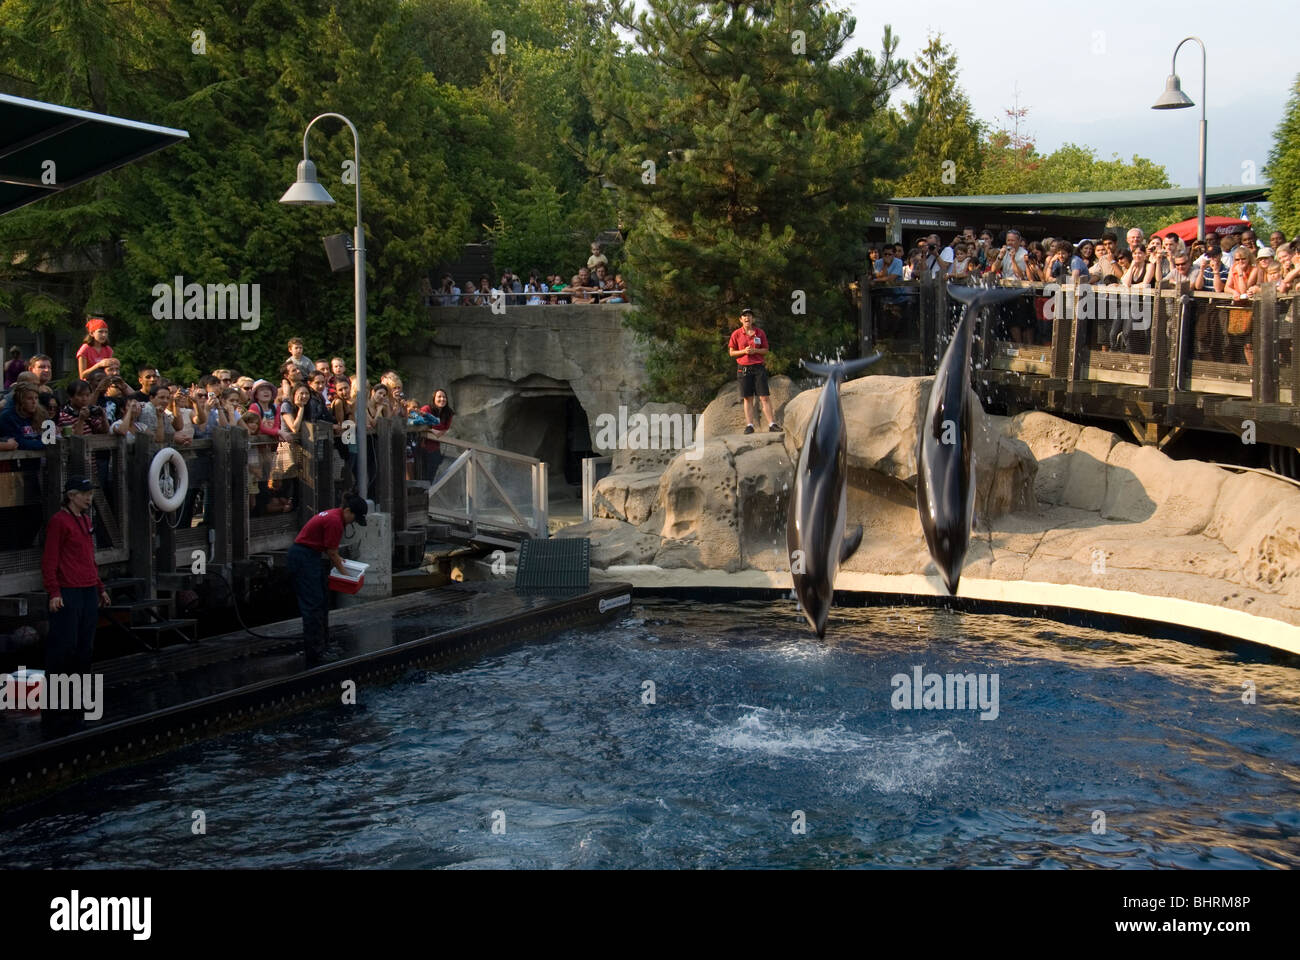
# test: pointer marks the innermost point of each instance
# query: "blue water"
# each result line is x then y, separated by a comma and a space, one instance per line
754, 719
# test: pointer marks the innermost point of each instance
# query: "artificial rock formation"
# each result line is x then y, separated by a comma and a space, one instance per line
1055, 502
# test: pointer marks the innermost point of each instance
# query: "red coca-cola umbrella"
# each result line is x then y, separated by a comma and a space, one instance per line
1220, 225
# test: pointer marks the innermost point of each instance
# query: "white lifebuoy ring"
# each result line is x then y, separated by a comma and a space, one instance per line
168, 492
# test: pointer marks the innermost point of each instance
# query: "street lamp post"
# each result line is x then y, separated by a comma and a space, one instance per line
1174, 99
307, 191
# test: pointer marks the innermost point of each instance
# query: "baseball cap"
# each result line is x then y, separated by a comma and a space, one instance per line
1264, 252
78, 484
357, 506
747, 312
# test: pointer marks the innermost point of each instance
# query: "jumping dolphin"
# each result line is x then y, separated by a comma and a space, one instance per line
945, 482
814, 531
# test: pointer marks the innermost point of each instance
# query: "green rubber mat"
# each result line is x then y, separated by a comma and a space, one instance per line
561, 563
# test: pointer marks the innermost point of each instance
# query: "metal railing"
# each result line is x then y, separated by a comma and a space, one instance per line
594, 469
485, 489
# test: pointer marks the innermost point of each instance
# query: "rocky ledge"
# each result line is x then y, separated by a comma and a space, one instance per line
1055, 502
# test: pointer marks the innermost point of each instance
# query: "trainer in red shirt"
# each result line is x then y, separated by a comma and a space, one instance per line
310, 572
749, 346
76, 594
68, 559
323, 532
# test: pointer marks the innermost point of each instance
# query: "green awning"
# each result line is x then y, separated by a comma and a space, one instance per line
1101, 199
81, 145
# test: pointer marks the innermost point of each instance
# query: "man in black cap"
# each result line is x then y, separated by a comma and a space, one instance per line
313, 553
76, 593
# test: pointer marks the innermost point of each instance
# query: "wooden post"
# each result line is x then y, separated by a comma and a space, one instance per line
925, 318
1265, 344
1158, 339
1061, 334
141, 537
1080, 345
52, 476
1294, 314
398, 452
1183, 347
942, 327
384, 466
79, 458
220, 490
317, 474
866, 319
238, 493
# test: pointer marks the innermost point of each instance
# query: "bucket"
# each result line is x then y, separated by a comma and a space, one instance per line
355, 579
20, 690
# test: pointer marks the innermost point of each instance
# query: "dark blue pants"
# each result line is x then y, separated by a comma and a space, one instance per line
429, 461
310, 573
68, 649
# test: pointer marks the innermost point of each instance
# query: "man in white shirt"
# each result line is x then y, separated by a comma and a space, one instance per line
1013, 258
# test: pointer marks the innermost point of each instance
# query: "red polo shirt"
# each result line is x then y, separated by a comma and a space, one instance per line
740, 340
323, 531
69, 556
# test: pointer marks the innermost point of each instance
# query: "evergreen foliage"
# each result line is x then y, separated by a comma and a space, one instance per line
748, 159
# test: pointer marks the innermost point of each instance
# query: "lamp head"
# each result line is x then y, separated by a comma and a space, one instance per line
306, 190
1173, 98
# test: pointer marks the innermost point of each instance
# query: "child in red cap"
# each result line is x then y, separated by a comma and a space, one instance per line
95, 353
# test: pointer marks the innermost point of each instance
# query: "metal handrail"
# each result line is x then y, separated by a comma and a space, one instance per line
471, 463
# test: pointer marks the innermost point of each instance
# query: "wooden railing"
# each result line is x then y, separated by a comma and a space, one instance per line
1185, 348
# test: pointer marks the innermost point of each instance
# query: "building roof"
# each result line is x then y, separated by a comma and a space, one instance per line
1101, 199
80, 144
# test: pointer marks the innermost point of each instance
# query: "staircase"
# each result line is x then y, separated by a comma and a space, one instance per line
147, 621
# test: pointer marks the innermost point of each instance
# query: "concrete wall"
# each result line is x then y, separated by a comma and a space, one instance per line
501, 369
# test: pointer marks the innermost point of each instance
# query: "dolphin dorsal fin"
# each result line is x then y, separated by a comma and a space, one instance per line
851, 543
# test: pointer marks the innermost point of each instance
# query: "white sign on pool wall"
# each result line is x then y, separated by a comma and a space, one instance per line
612, 603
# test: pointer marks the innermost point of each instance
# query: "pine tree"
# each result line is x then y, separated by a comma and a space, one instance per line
748, 160
1283, 168
946, 156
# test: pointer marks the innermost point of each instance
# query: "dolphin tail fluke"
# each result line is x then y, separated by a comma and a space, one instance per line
851, 543
983, 296
842, 370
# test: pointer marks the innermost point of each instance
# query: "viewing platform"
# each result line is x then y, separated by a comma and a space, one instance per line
1184, 366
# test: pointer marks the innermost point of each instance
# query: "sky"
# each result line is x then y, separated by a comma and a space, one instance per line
1091, 79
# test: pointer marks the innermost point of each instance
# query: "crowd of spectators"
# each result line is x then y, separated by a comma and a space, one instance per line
101, 401
1098, 261
1234, 263
594, 283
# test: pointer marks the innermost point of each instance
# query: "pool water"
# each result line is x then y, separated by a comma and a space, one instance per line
763, 747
